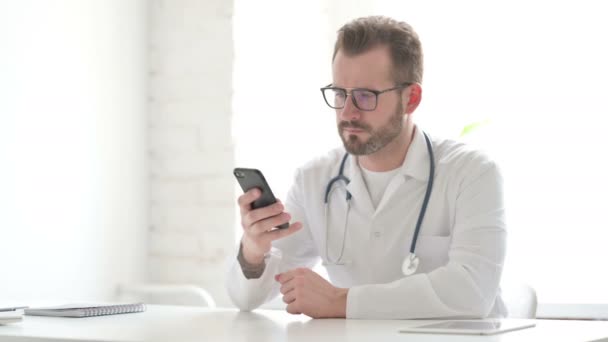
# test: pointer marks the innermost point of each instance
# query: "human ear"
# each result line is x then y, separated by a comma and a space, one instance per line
412, 99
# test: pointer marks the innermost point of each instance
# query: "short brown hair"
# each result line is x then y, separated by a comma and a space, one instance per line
363, 34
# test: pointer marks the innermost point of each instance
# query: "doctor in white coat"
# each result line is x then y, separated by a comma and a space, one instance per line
391, 180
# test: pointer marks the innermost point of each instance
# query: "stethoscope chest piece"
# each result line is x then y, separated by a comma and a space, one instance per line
410, 264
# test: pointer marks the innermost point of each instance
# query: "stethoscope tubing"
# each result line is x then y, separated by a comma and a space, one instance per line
427, 195
341, 177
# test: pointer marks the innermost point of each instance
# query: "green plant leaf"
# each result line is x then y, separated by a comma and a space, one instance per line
473, 127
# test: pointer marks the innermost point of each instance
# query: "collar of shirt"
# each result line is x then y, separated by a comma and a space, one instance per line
416, 163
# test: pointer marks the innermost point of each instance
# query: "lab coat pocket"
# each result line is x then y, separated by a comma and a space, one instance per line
432, 251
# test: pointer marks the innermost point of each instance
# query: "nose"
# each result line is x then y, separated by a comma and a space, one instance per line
350, 112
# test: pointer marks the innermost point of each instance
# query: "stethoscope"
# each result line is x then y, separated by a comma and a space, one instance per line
410, 264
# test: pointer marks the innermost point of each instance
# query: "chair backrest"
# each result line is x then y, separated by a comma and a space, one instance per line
520, 300
168, 294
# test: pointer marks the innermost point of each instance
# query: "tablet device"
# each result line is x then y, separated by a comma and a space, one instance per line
470, 327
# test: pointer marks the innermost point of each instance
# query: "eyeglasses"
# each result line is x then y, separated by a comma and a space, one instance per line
364, 99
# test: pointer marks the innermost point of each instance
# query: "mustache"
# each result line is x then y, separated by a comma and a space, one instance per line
353, 124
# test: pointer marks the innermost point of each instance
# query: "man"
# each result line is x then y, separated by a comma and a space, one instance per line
373, 208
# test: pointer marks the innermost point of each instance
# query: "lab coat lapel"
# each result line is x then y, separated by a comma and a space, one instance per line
415, 166
361, 199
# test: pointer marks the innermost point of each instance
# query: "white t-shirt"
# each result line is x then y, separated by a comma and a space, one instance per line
376, 183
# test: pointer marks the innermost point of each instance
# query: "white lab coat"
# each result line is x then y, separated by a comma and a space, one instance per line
461, 245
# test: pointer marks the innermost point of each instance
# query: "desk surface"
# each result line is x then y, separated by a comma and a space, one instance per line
175, 323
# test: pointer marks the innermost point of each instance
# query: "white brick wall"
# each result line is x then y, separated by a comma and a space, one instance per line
73, 185
191, 151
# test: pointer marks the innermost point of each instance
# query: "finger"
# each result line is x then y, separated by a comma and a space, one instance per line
292, 308
268, 224
255, 215
287, 287
281, 233
287, 276
289, 297
247, 198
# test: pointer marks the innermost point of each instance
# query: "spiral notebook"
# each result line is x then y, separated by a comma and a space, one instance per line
86, 310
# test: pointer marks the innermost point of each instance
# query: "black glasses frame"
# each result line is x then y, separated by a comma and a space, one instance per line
349, 92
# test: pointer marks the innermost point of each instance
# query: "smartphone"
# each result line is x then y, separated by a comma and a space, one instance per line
253, 178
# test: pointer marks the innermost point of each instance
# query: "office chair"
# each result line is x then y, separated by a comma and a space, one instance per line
520, 300
167, 294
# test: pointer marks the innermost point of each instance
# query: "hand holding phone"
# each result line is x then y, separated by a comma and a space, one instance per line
253, 178
260, 213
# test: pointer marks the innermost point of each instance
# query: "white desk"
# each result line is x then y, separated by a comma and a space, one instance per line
174, 323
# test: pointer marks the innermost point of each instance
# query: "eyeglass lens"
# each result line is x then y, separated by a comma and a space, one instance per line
363, 99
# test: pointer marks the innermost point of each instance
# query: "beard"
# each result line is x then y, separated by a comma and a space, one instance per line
378, 138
